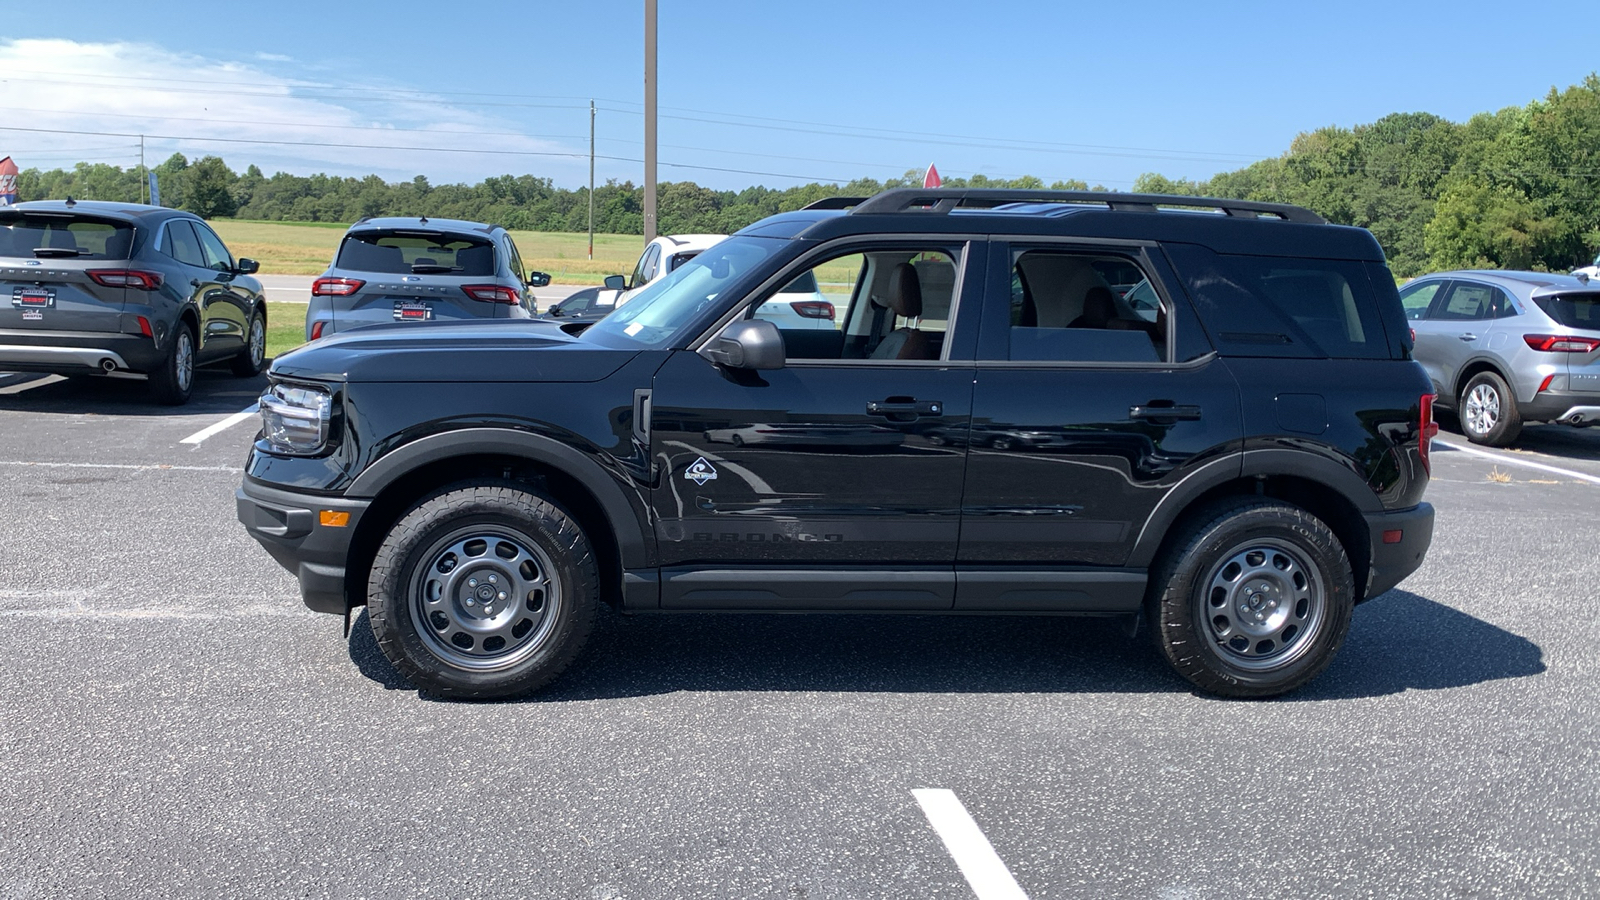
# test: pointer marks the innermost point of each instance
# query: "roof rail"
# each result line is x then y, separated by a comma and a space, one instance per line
941, 201
835, 203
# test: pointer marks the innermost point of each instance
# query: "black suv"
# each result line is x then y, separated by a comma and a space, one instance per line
107, 288
994, 427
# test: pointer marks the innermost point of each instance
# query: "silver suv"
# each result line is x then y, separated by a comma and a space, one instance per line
1504, 348
421, 270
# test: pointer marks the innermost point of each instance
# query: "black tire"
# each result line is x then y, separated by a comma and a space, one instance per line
1271, 625
1003, 443
1488, 411
253, 358
173, 382
430, 582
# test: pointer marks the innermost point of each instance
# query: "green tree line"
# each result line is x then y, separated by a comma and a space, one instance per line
1518, 188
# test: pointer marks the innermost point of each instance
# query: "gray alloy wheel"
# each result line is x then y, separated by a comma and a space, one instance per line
483, 598
1264, 605
253, 358
1488, 412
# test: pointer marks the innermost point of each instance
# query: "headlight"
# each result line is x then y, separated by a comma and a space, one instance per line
294, 419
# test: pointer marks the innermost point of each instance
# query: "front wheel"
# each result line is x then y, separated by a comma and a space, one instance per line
484, 590
1488, 411
1253, 600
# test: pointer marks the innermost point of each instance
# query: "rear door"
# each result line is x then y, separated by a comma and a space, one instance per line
1086, 412
46, 261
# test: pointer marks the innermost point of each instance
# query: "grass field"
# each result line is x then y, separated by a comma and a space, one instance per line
304, 249
286, 327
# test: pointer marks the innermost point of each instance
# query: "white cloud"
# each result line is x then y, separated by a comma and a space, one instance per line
62, 88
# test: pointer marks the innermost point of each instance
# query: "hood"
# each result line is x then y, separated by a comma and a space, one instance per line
483, 350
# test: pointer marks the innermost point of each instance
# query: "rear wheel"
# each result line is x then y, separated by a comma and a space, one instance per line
1488, 411
173, 382
482, 591
1253, 599
253, 358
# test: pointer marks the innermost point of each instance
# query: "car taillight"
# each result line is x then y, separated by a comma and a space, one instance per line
490, 293
137, 279
1562, 343
144, 327
336, 287
1427, 430
813, 309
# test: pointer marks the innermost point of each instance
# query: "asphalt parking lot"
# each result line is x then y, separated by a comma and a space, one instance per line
178, 725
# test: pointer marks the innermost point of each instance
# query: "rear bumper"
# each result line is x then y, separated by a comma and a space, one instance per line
76, 351
289, 526
1560, 406
1400, 542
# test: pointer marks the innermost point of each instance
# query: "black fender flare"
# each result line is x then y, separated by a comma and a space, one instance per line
614, 504
1342, 479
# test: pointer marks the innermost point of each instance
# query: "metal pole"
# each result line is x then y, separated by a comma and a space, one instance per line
144, 174
591, 179
649, 120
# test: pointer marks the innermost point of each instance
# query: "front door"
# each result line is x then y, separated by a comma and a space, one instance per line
838, 476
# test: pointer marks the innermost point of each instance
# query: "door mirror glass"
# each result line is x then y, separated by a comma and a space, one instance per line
747, 344
616, 283
247, 266
538, 279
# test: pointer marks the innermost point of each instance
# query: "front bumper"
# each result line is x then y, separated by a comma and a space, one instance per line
289, 525
1411, 531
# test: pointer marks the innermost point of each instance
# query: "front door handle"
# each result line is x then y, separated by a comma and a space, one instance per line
905, 407
1469, 336
1161, 411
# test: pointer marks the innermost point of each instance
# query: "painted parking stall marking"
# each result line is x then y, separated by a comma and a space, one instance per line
224, 425
16, 384
1510, 460
974, 855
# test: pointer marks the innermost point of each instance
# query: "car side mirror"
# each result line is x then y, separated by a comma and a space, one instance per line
747, 344
616, 283
538, 279
554, 311
246, 266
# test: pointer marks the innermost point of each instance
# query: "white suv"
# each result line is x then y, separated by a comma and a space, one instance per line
660, 257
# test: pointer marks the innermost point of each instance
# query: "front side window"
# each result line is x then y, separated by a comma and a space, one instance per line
1072, 306
216, 255
1416, 298
418, 253
887, 304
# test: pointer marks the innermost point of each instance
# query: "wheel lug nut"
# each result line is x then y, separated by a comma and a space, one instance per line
472, 582
502, 595
492, 579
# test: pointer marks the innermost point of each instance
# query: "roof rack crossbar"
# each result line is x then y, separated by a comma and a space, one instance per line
943, 200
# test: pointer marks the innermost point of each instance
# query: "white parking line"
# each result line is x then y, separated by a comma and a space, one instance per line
225, 424
156, 467
38, 381
1515, 461
974, 855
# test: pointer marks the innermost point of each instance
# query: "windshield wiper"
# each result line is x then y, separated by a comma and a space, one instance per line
56, 252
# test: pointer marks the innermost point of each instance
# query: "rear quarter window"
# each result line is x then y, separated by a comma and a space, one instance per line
1284, 307
405, 254
68, 237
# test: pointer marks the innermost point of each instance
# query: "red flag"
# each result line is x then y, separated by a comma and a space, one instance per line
931, 179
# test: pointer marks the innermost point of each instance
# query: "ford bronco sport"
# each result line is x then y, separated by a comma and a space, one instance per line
1201, 414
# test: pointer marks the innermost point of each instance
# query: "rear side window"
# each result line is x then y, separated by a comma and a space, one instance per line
179, 242
1284, 307
64, 237
1573, 310
417, 253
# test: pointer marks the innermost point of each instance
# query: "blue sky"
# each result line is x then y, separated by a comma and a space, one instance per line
757, 92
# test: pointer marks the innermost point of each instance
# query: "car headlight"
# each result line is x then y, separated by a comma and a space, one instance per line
294, 419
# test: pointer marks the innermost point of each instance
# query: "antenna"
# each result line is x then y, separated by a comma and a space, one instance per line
70, 201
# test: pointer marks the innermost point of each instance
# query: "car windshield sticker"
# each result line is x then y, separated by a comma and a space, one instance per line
700, 472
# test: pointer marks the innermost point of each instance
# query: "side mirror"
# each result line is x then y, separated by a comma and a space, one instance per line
554, 311
246, 266
747, 344
616, 283
538, 279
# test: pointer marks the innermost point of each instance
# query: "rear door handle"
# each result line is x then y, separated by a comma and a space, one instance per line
1469, 336
1157, 411
898, 406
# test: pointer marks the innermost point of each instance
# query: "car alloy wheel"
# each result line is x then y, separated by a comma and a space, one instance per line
1481, 411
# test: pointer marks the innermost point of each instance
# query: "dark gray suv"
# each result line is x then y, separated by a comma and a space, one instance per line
103, 288
418, 269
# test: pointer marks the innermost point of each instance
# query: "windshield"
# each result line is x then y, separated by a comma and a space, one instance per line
652, 317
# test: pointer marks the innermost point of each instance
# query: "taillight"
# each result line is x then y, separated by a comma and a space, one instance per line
813, 309
490, 293
1427, 430
137, 279
1545, 384
144, 327
336, 287
1562, 343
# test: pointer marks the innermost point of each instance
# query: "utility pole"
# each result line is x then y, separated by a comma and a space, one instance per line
649, 120
591, 179
144, 174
